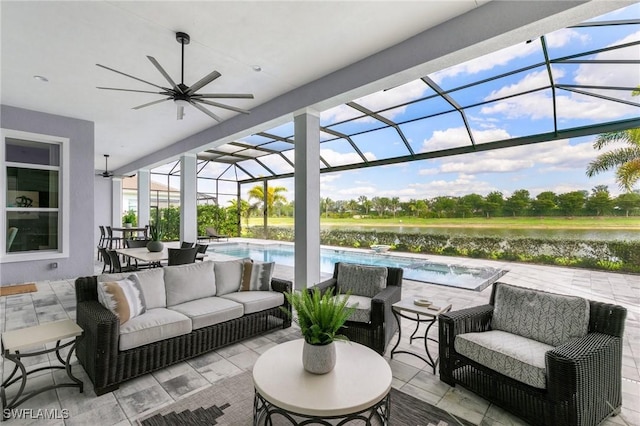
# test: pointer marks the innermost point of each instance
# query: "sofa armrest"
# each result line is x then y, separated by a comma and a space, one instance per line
98, 348
587, 371
450, 324
381, 304
281, 286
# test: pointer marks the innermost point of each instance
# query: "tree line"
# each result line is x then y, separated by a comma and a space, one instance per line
598, 202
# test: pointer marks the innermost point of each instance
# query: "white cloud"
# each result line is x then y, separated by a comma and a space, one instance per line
504, 56
572, 105
325, 178
457, 187
458, 136
428, 172
338, 159
357, 191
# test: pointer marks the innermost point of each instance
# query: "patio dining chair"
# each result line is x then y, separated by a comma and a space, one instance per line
201, 251
186, 244
182, 256
134, 243
116, 265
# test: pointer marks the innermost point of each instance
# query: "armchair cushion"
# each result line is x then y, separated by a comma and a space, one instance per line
549, 318
361, 280
515, 356
362, 305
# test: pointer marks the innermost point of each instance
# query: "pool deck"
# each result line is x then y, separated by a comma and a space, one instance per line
55, 300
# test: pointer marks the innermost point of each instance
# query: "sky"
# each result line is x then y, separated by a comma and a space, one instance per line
557, 166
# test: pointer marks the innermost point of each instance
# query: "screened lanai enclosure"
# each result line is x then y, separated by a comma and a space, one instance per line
576, 82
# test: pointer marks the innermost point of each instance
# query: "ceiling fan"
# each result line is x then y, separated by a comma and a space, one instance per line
106, 173
182, 94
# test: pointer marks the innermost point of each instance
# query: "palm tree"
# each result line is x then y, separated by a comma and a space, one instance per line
246, 209
273, 195
625, 159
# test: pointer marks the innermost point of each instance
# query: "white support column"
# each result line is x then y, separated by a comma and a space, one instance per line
116, 202
144, 194
307, 199
265, 206
188, 198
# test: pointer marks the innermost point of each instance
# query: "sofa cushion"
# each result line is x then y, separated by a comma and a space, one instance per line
361, 280
549, 318
153, 326
123, 297
256, 301
514, 356
151, 283
362, 305
209, 310
189, 282
228, 276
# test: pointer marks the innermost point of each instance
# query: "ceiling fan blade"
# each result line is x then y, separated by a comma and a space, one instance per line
164, 73
224, 95
151, 103
203, 82
180, 112
135, 78
131, 90
206, 111
216, 104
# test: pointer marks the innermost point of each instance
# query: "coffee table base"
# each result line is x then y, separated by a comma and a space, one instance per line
265, 413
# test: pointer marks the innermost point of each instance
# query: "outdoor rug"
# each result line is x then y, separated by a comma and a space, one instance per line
18, 289
230, 403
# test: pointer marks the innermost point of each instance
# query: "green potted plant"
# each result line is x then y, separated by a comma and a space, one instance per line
320, 317
129, 219
155, 234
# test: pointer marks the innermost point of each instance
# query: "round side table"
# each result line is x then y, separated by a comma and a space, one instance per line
357, 388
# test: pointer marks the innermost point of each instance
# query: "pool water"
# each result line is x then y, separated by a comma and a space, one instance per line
471, 278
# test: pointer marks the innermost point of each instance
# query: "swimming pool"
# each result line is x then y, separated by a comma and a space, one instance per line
471, 278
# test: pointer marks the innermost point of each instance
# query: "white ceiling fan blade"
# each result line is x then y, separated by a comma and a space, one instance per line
203, 82
216, 104
151, 103
164, 73
130, 76
225, 95
206, 111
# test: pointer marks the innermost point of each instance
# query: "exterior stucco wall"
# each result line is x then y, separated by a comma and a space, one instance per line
81, 168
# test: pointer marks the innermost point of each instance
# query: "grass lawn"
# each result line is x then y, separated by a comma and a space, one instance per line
607, 222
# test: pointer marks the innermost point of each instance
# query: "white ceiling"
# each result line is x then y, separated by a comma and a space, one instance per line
294, 42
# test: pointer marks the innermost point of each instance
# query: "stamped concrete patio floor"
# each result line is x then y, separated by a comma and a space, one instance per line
55, 300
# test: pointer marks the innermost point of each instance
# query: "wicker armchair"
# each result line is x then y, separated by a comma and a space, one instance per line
583, 376
378, 331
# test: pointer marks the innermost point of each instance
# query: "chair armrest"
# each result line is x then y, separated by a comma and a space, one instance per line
381, 304
325, 285
586, 370
450, 324
98, 348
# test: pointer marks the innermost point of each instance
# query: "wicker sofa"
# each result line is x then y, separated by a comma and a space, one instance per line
373, 290
547, 358
190, 310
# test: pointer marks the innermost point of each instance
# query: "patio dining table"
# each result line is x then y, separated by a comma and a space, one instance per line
141, 253
130, 232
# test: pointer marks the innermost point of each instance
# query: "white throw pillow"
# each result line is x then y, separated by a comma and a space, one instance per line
124, 297
189, 282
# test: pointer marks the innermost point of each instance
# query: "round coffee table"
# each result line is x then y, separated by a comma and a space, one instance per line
357, 388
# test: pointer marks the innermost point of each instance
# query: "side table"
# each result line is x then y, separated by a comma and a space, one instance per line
13, 342
420, 314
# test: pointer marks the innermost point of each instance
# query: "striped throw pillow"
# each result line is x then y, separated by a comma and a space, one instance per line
124, 297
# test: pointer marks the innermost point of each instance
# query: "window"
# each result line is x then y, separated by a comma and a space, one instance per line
33, 183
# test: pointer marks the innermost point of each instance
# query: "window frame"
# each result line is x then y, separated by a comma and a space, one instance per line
63, 208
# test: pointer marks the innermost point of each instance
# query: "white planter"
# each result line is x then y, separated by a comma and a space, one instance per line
318, 359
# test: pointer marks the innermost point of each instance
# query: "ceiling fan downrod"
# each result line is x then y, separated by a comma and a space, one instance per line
182, 38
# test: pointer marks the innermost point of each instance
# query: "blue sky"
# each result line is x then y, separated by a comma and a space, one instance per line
557, 166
